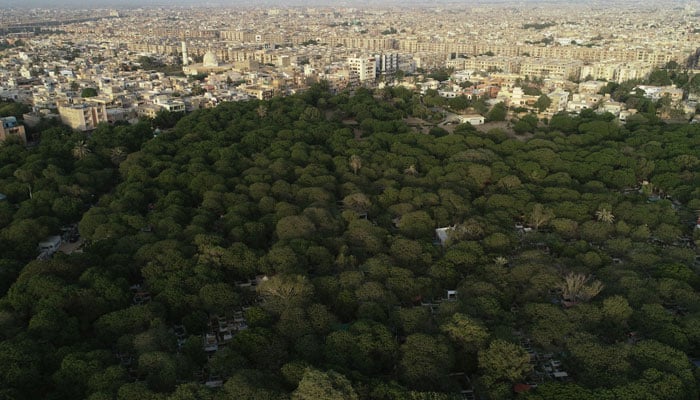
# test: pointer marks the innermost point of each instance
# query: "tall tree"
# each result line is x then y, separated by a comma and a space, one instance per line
543, 102
576, 287
505, 362
81, 150
425, 362
318, 385
605, 215
539, 216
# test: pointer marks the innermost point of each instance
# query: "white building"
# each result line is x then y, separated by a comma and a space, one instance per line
364, 67
658, 92
474, 119
462, 76
169, 104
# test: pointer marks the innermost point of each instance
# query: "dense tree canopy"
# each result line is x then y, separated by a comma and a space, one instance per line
287, 249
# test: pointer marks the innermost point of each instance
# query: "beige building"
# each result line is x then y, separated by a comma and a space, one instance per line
246, 65
547, 68
591, 87
261, 93
83, 117
516, 97
489, 63
559, 99
616, 71
10, 128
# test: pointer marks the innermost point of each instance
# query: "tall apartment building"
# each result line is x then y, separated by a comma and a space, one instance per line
237, 36
616, 71
497, 63
547, 68
364, 67
185, 57
83, 117
354, 42
386, 63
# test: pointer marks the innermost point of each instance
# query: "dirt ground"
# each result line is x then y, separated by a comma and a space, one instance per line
424, 127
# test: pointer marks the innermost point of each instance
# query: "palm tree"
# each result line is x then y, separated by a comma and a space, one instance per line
539, 216
576, 288
470, 229
411, 170
355, 163
117, 155
605, 215
500, 261
27, 177
81, 150
261, 110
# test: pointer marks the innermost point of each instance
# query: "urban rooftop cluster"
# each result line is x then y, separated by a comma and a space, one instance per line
93, 66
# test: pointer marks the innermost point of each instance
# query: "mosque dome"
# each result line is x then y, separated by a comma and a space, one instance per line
210, 60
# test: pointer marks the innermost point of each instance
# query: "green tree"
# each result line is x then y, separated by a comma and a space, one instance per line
616, 312
425, 361
284, 291
497, 113
357, 202
543, 102
160, 370
318, 385
465, 332
294, 226
458, 103
659, 77
88, 92
503, 361
416, 224
598, 364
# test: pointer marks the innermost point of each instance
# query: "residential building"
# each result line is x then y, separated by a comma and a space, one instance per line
169, 104
547, 68
83, 117
591, 87
582, 101
386, 63
11, 128
474, 119
559, 99
658, 92
258, 92
364, 67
